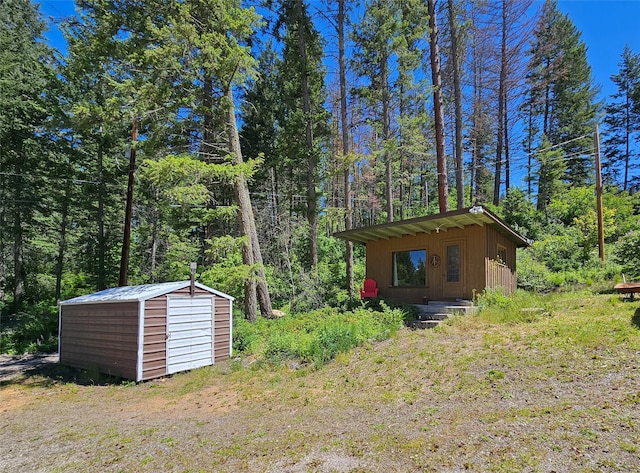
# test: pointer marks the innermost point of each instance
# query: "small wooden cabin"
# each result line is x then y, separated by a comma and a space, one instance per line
444, 256
148, 331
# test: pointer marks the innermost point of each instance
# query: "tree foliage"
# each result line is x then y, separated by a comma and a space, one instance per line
319, 145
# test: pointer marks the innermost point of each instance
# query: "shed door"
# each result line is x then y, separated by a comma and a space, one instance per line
189, 333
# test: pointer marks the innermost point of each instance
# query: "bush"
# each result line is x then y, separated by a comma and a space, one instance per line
627, 254
314, 337
34, 330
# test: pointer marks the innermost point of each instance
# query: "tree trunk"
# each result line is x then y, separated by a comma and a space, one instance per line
128, 215
101, 276
507, 159
386, 135
251, 254
155, 216
457, 98
348, 220
443, 188
18, 237
502, 96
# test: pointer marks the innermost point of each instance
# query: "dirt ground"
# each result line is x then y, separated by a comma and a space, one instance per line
468, 397
16, 366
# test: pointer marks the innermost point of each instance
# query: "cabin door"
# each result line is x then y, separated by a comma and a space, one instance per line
453, 266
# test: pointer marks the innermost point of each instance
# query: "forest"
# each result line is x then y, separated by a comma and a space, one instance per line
242, 135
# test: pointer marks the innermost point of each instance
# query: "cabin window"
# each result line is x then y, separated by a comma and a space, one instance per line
453, 263
409, 268
502, 254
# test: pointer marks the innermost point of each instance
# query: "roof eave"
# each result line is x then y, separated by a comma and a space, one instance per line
440, 222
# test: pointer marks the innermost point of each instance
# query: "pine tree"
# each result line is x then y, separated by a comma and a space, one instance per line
372, 57
302, 94
436, 77
562, 92
27, 85
623, 120
551, 170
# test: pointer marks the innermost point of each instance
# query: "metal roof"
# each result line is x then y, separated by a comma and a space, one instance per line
441, 222
138, 293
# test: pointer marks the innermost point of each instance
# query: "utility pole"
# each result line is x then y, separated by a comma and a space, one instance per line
596, 146
126, 240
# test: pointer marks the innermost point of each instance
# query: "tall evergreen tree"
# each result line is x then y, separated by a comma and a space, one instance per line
550, 172
27, 83
305, 127
562, 92
623, 120
373, 38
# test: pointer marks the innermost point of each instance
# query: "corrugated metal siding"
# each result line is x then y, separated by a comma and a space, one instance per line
190, 325
100, 336
155, 333
154, 359
222, 327
222, 332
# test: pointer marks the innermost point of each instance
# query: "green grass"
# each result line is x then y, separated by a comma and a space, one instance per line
315, 337
550, 391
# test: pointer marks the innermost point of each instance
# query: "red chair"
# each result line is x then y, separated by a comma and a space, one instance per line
370, 289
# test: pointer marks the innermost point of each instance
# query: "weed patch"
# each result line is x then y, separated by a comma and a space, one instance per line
315, 337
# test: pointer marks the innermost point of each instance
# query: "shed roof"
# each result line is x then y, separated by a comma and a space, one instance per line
138, 293
477, 215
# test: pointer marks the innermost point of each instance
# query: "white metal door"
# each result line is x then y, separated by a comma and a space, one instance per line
189, 333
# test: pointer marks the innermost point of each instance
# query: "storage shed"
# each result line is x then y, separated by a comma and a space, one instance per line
148, 331
445, 256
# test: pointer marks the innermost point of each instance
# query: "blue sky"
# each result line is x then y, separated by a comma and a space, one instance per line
606, 26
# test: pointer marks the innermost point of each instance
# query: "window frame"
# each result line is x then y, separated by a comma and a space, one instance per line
394, 273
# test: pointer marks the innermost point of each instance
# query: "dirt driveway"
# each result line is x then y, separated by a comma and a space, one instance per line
14, 366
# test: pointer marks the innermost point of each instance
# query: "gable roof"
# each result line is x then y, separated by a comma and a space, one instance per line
477, 215
139, 293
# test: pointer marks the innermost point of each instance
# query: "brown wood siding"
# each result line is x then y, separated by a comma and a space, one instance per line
501, 273
473, 240
100, 336
222, 331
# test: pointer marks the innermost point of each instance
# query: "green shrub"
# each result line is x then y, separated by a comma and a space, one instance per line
314, 337
533, 275
408, 311
627, 254
35, 329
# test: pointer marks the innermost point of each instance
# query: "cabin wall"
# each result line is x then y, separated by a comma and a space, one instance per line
500, 270
472, 241
101, 336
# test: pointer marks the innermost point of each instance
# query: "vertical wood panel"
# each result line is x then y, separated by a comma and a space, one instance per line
379, 263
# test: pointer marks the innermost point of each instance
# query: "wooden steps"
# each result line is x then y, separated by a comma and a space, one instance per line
434, 312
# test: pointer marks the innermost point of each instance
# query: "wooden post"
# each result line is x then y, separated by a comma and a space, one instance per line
596, 145
126, 239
